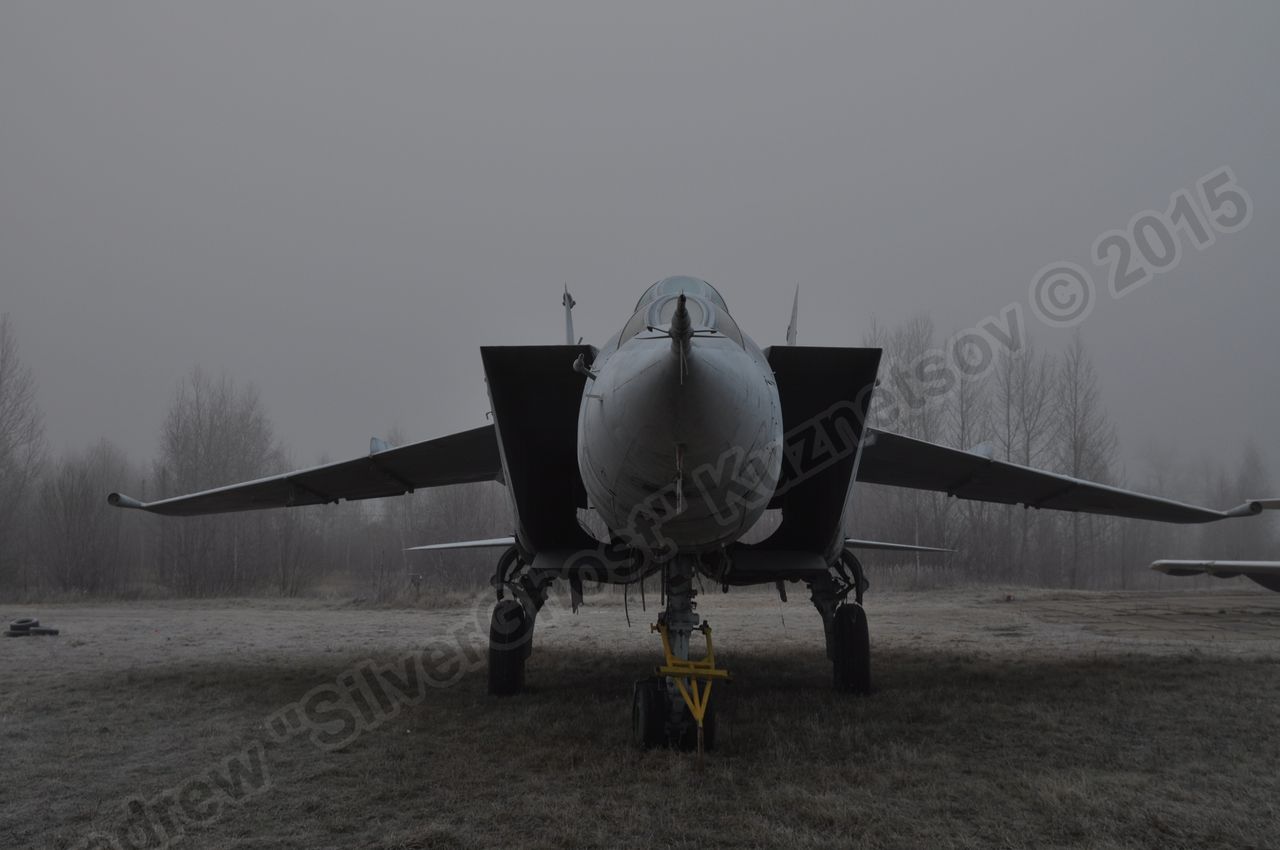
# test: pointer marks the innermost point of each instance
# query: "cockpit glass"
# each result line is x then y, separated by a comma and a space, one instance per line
704, 315
668, 309
688, 285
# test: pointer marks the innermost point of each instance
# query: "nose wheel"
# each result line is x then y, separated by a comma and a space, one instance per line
649, 713
675, 708
652, 724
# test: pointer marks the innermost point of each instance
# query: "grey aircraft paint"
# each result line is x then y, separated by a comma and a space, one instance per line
679, 424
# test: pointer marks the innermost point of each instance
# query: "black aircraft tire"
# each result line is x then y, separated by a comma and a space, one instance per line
509, 634
649, 714
851, 664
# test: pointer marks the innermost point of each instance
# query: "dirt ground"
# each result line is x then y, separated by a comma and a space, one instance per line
1050, 719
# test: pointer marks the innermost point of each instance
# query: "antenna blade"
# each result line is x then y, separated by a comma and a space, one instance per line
568, 314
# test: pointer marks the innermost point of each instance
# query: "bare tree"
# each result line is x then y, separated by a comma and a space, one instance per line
292, 548
917, 364
969, 426
82, 541
214, 434
1084, 442
293, 537
1024, 405
1241, 539
21, 454
1024, 392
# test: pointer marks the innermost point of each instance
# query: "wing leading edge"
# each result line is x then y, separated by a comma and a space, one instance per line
490, 543
460, 458
899, 461
882, 546
1265, 573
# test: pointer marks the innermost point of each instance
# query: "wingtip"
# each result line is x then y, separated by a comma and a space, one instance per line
1250, 508
120, 500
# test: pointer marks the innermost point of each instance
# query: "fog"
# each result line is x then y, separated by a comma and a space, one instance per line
343, 202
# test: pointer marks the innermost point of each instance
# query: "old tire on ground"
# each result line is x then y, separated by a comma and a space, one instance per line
23, 624
509, 633
649, 714
851, 661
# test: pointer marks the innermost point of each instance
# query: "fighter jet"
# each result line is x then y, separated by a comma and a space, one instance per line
678, 434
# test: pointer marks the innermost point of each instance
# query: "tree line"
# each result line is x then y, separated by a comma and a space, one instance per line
59, 536
1045, 410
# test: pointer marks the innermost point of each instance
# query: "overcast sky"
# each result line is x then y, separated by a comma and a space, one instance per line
343, 201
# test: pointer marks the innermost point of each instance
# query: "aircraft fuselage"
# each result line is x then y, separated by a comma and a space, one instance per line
680, 427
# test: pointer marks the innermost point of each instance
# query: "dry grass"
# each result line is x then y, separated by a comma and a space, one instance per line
1009, 740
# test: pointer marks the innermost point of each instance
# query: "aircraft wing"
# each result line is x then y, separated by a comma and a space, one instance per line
456, 459
490, 543
1223, 569
916, 464
1265, 573
882, 546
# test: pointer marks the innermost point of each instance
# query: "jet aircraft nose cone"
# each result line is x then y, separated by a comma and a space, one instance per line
681, 450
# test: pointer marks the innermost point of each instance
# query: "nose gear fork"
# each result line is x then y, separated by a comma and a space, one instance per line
687, 673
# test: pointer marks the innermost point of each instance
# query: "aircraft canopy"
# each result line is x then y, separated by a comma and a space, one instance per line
688, 285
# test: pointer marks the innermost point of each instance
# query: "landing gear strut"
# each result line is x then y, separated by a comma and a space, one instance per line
845, 625
675, 708
510, 644
511, 627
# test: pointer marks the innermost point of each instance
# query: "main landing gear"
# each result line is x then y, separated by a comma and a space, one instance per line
845, 624
675, 707
511, 628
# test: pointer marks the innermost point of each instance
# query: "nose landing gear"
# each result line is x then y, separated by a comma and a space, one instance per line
675, 707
